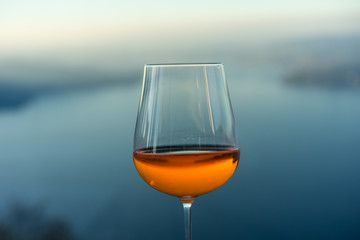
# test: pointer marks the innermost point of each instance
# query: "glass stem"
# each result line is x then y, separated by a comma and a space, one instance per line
187, 204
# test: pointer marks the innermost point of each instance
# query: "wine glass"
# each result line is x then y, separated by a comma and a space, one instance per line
185, 142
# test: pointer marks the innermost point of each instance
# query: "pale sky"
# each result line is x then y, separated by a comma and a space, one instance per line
40, 11
109, 32
41, 24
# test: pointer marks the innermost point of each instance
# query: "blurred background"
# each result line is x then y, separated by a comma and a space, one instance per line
70, 82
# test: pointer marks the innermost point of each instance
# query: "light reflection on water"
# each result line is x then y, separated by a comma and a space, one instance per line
297, 177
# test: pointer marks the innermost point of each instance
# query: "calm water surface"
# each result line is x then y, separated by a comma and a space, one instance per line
68, 157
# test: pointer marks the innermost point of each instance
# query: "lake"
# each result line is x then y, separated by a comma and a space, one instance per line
66, 166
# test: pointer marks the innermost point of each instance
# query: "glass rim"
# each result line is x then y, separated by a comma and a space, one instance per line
182, 64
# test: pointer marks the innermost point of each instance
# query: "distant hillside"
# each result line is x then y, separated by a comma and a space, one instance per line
16, 92
328, 61
338, 76
15, 96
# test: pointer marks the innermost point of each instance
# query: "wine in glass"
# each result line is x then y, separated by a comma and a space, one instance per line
185, 141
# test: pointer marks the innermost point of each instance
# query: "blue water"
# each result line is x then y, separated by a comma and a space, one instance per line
298, 178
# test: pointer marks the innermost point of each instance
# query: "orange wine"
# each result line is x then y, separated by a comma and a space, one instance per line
186, 172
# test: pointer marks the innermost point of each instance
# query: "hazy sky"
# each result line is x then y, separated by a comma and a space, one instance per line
27, 21
32, 27
83, 10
